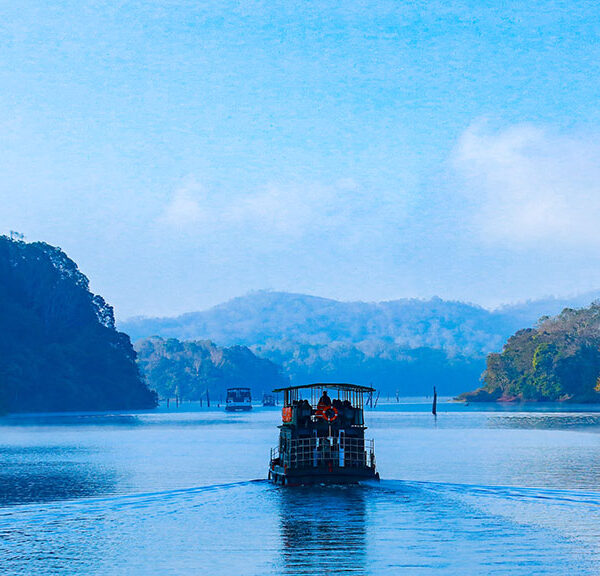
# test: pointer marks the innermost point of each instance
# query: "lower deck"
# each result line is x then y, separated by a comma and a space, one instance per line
316, 460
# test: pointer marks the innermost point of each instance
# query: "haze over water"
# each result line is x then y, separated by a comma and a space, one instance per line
478, 492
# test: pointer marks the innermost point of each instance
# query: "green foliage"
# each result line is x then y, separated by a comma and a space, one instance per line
190, 369
558, 360
59, 349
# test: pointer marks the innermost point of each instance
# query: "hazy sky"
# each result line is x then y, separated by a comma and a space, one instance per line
183, 153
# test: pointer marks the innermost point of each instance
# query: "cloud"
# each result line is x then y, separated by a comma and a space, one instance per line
528, 185
285, 212
184, 208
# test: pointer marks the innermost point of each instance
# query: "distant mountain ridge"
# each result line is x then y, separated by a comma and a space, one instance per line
262, 317
403, 346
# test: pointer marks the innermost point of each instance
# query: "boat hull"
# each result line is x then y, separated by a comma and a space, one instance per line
238, 408
313, 476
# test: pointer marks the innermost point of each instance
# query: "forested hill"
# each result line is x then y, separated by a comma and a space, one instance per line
557, 360
59, 349
264, 317
189, 370
403, 346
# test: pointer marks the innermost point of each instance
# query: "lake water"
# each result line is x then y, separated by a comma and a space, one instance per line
475, 491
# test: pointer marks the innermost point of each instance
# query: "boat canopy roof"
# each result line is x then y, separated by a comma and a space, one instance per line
351, 392
328, 385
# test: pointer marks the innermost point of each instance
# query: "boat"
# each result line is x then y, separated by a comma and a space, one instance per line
322, 437
238, 400
268, 400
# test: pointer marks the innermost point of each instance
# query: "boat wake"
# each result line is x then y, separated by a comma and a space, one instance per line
381, 527
518, 493
125, 501
392, 487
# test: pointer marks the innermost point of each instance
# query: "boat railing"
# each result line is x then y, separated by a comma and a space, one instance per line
342, 452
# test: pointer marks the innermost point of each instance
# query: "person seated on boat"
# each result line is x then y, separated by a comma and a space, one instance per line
324, 401
337, 404
304, 413
347, 411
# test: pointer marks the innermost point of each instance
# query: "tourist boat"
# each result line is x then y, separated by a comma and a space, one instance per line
322, 437
268, 400
238, 399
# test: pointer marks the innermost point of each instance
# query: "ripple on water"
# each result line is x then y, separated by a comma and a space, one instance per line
255, 528
165, 493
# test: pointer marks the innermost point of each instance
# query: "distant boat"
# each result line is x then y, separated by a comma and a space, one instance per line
268, 400
238, 400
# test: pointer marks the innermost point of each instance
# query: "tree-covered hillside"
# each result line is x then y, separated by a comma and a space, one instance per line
188, 369
59, 349
404, 345
557, 360
262, 317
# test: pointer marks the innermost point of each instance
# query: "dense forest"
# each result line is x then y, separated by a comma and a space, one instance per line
403, 346
59, 349
557, 360
188, 370
263, 316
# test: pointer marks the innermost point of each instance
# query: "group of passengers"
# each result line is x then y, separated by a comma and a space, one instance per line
338, 404
305, 410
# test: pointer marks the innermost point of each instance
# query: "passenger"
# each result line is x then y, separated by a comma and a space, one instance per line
305, 412
324, 401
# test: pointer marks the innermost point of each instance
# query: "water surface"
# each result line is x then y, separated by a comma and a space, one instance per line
475, 491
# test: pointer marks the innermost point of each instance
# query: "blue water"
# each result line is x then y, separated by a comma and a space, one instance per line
475, 491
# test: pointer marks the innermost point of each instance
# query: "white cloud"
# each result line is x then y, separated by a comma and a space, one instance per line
184, 209
529, 185
287, 212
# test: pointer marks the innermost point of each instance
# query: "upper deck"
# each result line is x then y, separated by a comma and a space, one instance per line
342, 391
310, 408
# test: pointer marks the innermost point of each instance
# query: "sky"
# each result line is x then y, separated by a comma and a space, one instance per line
187, 152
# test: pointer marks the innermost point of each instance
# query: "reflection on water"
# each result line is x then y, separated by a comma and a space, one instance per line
323, 530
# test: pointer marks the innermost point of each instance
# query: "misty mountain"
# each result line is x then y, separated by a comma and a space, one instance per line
390, 368
526, 314
261, 317
404, 345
